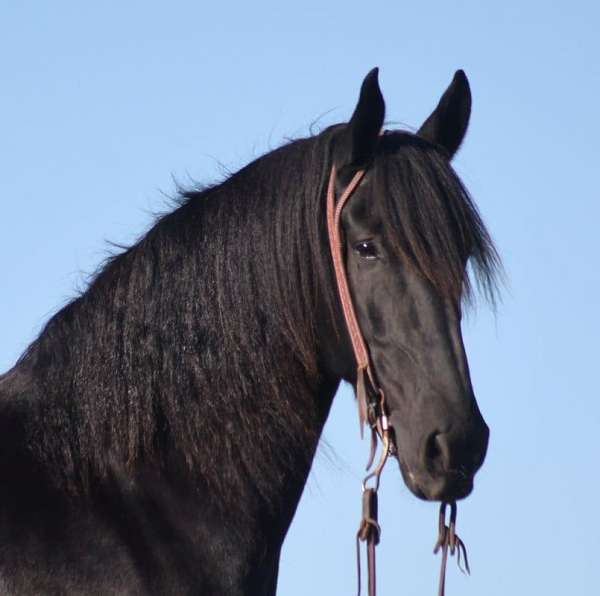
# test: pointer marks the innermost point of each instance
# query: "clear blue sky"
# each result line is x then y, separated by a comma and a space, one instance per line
103, 104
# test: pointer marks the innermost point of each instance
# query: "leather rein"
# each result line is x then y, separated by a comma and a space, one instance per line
372, 408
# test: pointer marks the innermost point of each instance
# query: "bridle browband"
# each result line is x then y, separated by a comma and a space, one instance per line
372, 407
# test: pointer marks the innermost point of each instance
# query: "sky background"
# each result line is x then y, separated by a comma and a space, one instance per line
104, 107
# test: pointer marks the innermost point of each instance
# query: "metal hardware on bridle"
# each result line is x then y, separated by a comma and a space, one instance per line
371, 399
448, 540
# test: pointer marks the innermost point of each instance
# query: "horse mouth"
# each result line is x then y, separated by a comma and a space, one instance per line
452, 485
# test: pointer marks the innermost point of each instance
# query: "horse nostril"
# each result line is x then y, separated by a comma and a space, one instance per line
457, 449
448, 460
436, 452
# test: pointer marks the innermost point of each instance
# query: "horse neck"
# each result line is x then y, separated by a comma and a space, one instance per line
165, 359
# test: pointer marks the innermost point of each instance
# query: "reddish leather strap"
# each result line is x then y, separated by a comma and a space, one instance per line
334, 212
363, 365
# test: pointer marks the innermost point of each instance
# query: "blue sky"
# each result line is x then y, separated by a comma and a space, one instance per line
105, 105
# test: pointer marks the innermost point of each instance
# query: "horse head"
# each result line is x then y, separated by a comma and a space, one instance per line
410, 231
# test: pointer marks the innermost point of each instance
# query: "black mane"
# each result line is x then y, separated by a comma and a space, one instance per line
222, 292
432, 218
212, 296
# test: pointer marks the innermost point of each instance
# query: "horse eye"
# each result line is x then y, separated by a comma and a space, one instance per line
366, 249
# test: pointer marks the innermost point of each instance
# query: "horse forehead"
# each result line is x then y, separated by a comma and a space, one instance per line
364, 208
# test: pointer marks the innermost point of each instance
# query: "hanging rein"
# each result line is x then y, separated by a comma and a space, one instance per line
372, 409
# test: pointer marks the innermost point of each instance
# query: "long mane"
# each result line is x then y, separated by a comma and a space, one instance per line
200, 339
434, 222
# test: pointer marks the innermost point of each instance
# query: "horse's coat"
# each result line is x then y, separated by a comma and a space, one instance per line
156, 437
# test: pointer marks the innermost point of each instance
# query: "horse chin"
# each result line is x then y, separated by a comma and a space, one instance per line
451, 486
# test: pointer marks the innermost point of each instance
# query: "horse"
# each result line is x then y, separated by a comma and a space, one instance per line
157, 435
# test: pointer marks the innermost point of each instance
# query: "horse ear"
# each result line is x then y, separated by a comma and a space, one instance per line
362, 132
448, 123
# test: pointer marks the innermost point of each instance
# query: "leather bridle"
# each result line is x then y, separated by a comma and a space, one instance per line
372, 407
371, 398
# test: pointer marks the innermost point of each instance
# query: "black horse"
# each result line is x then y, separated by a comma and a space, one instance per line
157, 435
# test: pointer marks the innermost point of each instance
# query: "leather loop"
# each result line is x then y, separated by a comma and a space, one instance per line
448, 540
